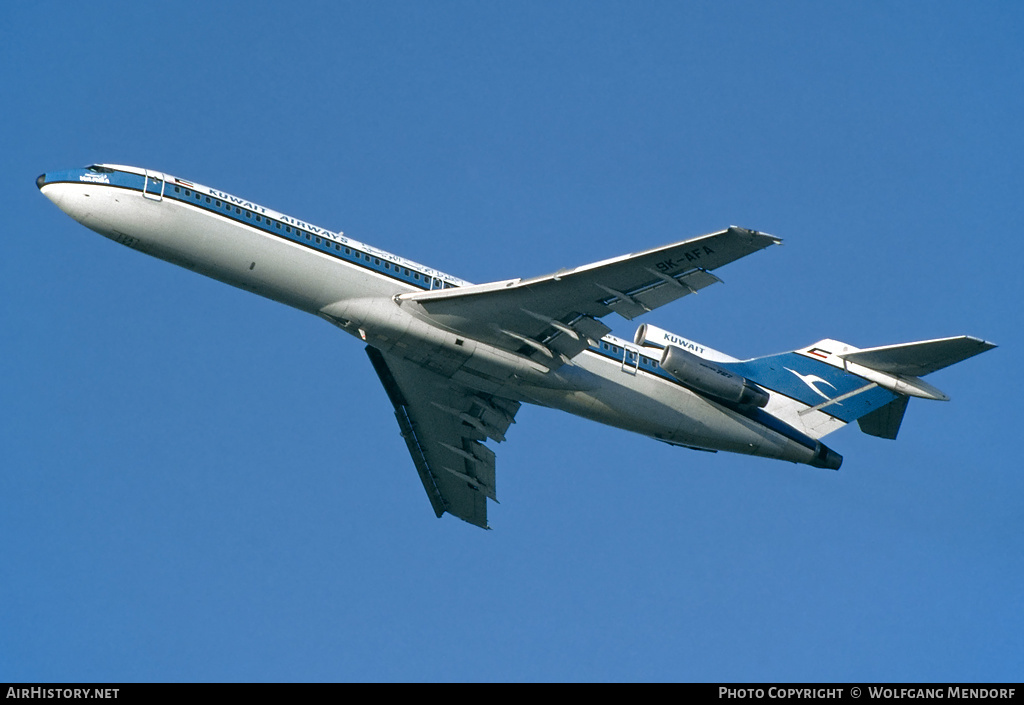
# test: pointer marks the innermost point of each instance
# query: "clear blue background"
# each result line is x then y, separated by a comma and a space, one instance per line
198, 484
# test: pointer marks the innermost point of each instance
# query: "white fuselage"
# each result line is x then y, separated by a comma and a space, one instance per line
355, 287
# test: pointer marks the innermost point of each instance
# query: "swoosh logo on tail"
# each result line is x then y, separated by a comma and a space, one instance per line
811, 380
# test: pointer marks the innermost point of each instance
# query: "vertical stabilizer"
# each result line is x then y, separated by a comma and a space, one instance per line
821, 388
885, 422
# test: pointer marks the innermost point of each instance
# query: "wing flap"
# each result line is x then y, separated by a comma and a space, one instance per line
665, 289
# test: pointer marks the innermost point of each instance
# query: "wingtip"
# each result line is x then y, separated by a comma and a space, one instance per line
981, 344
757, 234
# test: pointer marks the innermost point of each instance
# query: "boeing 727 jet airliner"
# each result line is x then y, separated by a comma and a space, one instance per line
457, 359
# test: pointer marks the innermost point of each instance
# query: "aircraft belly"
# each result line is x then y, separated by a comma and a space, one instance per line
647, 404
389, 327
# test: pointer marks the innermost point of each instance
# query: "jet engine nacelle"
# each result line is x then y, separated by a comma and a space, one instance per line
653, 337
710, 378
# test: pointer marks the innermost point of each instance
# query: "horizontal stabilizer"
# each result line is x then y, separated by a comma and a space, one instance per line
919, 359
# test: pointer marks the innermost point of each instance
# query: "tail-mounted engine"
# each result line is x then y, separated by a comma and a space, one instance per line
701, 373
710, 378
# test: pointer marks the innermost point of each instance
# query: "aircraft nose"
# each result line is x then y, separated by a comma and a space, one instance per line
52, 190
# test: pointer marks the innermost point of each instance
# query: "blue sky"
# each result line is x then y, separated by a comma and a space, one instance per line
198, 484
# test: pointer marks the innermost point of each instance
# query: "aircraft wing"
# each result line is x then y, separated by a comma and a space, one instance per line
443, 426
550, 318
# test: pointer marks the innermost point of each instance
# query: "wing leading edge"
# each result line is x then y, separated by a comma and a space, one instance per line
443, 426
552, 318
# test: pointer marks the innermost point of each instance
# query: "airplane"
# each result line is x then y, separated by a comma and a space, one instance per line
457, 359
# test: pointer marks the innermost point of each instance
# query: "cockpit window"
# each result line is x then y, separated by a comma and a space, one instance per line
96, 168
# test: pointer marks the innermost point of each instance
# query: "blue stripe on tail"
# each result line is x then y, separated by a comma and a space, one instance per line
813, 382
